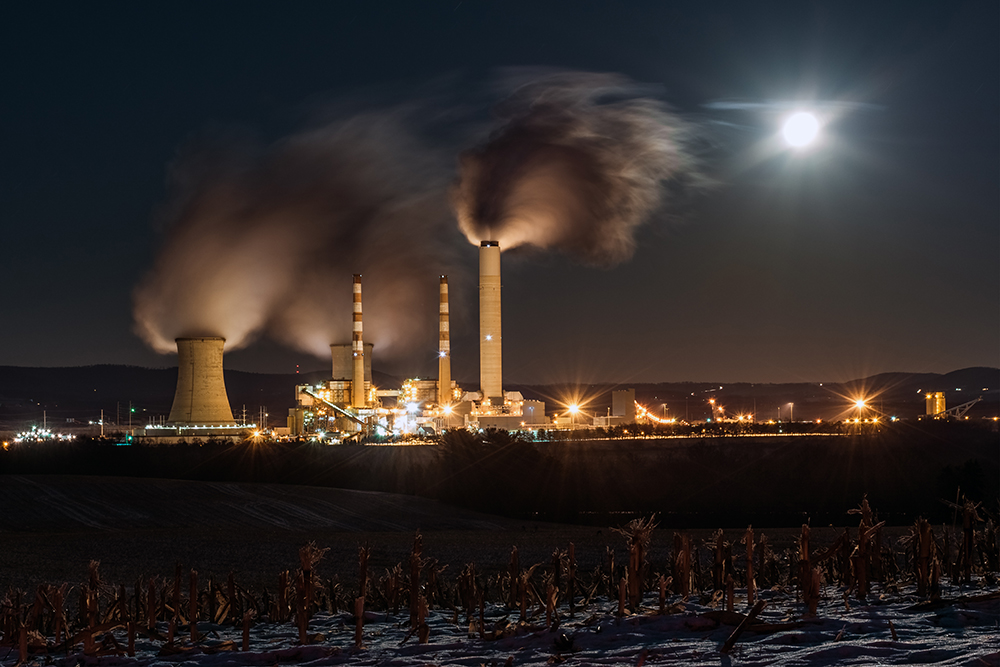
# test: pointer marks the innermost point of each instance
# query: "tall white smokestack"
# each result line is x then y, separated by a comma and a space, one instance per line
358, 349
490, 362
444, 347
201, 387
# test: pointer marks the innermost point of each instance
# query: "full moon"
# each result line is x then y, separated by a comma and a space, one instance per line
800, 129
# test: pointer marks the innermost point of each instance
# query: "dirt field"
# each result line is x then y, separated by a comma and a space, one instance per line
52, 526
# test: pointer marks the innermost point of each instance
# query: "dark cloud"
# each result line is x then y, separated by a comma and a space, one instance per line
266, 239
578, 163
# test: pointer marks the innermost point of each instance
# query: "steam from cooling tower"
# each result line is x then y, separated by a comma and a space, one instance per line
578, 163
265, 239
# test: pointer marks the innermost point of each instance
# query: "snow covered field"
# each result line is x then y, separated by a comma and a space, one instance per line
963, 628
142, 528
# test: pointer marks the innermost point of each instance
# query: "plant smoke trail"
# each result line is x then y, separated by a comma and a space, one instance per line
578, 163
265, 240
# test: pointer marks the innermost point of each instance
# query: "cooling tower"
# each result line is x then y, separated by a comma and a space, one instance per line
201, 388
444, 347
358, 398
490, 363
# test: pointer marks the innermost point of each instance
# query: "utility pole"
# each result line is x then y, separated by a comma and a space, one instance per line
102, 422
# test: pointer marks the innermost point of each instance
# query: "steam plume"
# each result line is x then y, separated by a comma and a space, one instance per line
265, 240
578, 163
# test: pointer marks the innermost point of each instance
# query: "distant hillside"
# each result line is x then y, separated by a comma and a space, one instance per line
81, 392
899, 394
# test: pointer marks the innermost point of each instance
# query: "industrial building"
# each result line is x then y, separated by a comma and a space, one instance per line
336, 411
935, 403
348, 405
622, 409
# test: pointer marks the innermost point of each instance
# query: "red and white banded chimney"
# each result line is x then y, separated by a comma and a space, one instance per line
358, 398
444, 347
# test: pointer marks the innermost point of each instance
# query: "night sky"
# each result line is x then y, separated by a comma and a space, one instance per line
876, 250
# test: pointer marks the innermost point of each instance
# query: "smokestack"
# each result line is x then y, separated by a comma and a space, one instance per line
490, 364
201, 388
444, 347
358, 378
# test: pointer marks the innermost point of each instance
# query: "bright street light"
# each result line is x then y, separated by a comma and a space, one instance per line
572, 410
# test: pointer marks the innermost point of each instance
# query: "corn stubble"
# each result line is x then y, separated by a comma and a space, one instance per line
109, 618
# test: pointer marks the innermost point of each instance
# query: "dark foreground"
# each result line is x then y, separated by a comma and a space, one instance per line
906, 470
235, 559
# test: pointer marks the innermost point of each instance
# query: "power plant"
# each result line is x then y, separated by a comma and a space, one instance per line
348, 405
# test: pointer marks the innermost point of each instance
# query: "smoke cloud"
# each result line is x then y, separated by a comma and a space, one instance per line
578, 163
264, 240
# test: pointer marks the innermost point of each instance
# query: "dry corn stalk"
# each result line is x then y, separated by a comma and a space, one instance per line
515, 578
248, 616
751, 584
719, 563
364, 553
923, 545
359, 622
415, 564
637, 533
682, 564
805, 567
423, 630
309, 557
193, 616
622, 589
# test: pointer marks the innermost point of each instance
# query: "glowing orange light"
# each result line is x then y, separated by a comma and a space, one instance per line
641, 412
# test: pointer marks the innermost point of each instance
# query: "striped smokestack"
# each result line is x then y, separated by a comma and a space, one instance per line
444, 347
490, 363
358, 351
